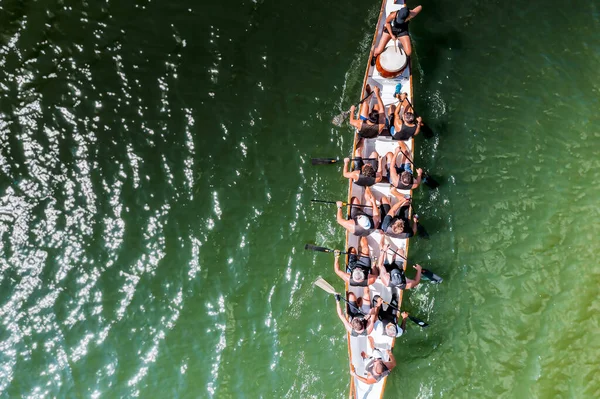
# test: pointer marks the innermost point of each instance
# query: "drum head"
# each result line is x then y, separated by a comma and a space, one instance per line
393, 59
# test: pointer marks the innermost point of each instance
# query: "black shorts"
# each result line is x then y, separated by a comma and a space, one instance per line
353, 310
396, 33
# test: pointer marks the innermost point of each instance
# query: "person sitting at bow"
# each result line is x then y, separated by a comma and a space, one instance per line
361, 223
396, 28
399, 170
359, 272
361, 315
371, 122
395, 223
406, 125
367, 172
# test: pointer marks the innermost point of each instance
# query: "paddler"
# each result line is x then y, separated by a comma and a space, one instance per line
406, 125
371, 122
376, 367
362, 317
359, 272
399, 169
395, 223
387, 322
392, 274
363, 221
367, 172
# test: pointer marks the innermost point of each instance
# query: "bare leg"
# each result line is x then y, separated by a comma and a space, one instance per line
385, 38
405, 41
366, 298
352, 298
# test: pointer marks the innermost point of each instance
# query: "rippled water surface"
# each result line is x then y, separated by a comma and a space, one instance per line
155, 198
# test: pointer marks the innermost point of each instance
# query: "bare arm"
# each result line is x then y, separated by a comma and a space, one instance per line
336, 268
347, 224
392, 362
417, 280
347, 174
380, 105
393, 173
371, 197
370, 380
419, 124
419, 178
415, 225
388, 24
413, 13
356, 122
385, 276
379, 174
343, 318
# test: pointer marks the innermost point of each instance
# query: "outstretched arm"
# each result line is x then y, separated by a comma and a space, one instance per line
385, 276
347, 174
370, 380
413, 13
392, 362
415, 225
354, 121
347, 224
417, 280
388, 24
342, 317
380, 105
336, 268
419, 178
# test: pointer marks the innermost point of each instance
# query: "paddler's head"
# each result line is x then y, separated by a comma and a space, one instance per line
374, 116
391, 330
358, 324
368, 170
398, 226
406, 178
358, 275
408, 117
378, 367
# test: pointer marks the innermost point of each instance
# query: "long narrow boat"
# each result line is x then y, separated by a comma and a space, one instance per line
373, 77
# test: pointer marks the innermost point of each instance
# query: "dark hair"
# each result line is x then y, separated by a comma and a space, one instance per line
398, 226
374, 116
368, 170
378, 367
408, 117
358, 324
406, 177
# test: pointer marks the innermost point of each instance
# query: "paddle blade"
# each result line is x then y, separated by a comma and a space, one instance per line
339, 119
430, 182
418, 322
315, 248
323, 161
324, 285
434, 278
422, 232
427, 132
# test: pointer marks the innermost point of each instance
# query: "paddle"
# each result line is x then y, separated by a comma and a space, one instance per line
311, 247
328, 161
427, 179
343, 203
434, 278
325, 286
427, 132
414, 319
339, 119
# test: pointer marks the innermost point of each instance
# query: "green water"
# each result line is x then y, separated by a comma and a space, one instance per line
155, 198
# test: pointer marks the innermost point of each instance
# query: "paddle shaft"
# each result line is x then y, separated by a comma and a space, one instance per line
328, 250
418, 322
343, 203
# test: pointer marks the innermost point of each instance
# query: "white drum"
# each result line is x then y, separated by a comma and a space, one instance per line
392, 61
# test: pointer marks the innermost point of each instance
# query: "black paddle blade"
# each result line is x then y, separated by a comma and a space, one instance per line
339, 119
434, 278
427, 132
323, 161
419, 322
422, 232
315, 248
430, 181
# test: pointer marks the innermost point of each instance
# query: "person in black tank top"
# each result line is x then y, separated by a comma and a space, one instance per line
360, 273
405, 125
362, 221
371, 122
396, 28
367, 172
387, 271
399, 169
361, 321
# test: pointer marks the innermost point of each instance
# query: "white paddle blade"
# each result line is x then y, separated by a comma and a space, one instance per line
324, 285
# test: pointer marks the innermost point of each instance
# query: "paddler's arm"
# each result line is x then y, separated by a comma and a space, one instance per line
371, 323
347, 224
388, 24
342, 317
393, 173
419, 178
347, 174
336, 267
419, 124
415, 225
380, 105
397, 205
379, 174
413, 13
392, 362
370, 380
356, 122
375, 208
413, 283
385, 276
